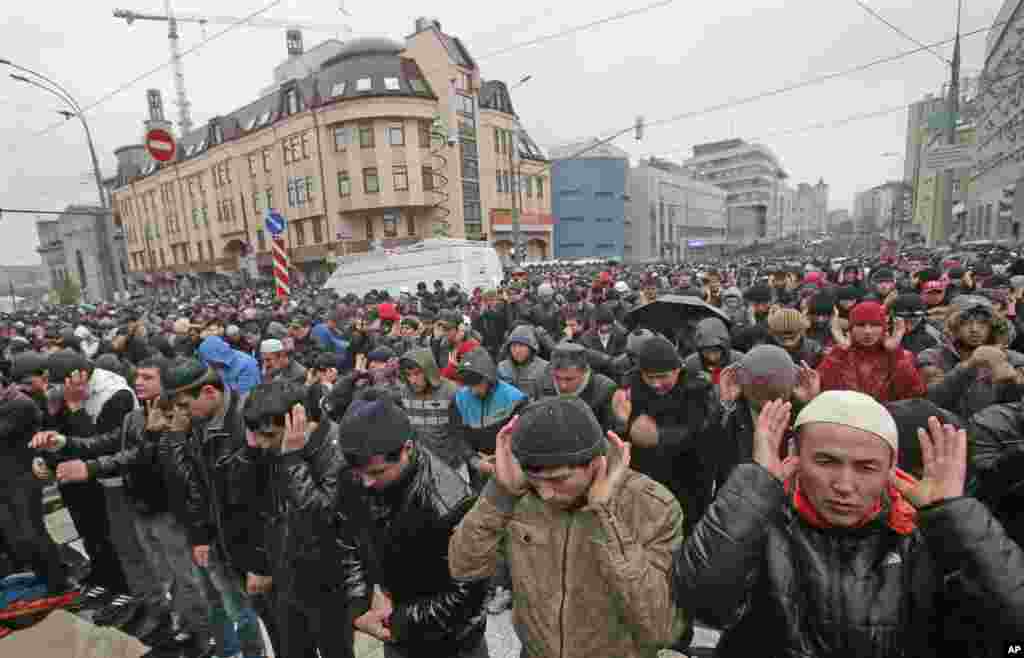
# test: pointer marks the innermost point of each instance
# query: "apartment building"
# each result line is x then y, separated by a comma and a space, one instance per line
384, 143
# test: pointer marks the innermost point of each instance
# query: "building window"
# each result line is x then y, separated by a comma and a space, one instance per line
428, 178
199, 250
540, 187
304, 144
261, 239
291, 148
270, 198
252, 164
256, 203
396, 135
497, 175
291, 101
529, 187
391, 84
464, 105
344, 184
418, 85
497, 140
163, 260
410, 225
390, 224
369, 228
364, 84
209, 248
310, 188
318, 231
366, 135
371, 182
400, 177
424, 132
507, 181
338, 89
300, 233
342, 138
266, 159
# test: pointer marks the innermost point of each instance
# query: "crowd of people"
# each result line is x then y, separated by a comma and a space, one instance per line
811, 460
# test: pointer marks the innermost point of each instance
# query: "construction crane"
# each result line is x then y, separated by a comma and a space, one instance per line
178, 70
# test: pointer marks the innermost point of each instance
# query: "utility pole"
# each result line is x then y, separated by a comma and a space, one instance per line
952, 109
513, 184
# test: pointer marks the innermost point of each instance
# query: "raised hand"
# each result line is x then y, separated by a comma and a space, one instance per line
295, 430
507, 470
894, 341
611, 471
769, 434
157, 420
728, 385
808, 383
944, 457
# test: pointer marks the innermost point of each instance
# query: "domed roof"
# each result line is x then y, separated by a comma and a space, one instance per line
366, 46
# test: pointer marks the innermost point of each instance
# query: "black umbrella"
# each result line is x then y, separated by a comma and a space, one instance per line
670, 313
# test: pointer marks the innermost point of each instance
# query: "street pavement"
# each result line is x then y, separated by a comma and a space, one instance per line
501, 637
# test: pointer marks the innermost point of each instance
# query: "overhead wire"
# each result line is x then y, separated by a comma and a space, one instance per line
131, 83
899, 31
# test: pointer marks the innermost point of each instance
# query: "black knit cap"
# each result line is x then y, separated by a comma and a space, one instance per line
61, 364
657, 354
559, 431
374, 425
759, 295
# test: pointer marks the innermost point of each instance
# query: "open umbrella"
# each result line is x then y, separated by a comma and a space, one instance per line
670, 313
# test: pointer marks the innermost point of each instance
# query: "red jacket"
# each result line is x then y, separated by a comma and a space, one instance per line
885, 376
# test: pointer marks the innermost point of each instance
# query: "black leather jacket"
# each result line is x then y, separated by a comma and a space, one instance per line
132, 453
300, 524
780, 587
401, 534
224, 488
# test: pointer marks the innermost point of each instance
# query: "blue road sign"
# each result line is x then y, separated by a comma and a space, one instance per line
275, 221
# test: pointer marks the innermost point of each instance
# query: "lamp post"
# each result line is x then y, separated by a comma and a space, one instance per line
515, 182
54, 88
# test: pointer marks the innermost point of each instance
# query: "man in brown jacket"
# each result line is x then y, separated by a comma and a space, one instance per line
589, 541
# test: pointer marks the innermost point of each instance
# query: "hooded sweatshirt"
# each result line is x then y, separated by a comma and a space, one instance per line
711, 332
241, 372
526, 376
476, 422
430, 411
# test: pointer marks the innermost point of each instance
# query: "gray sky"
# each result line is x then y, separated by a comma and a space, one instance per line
672, 60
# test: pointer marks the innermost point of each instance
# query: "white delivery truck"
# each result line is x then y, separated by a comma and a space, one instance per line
469, 263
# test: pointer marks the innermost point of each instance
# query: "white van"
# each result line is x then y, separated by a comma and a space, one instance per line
469, 263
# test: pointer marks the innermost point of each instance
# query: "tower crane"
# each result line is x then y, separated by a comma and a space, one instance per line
172, 19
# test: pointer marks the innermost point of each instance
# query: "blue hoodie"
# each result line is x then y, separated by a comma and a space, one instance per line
241, 373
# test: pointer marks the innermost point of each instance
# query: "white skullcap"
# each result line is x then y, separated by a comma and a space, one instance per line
852, 409
271, 346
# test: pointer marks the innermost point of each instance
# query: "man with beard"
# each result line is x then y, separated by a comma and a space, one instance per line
788, 329
668, 418
920, 335
871, 361
978, 372
397, 510
569, 374
492, 324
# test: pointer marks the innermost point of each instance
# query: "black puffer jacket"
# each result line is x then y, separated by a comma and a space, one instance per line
780, 587
597, 393
300, 524
402, 535
224, 488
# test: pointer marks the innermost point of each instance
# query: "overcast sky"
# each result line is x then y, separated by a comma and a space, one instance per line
672, 60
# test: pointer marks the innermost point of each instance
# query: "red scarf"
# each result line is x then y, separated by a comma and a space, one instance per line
902, 515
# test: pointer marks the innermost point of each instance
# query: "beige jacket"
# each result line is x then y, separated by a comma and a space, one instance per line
587, 583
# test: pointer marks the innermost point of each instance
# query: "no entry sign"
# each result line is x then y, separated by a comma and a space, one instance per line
160, 145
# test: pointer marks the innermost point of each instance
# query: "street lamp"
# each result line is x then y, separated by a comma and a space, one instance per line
54, 88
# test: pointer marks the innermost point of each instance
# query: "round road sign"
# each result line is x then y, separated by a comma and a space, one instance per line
160, 145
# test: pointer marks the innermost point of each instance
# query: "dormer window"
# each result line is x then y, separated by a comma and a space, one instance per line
218, 134
202, 146
252, 124
264, 119
418, 86
190, 150
391, 84
291, 101
364, 84
338, 89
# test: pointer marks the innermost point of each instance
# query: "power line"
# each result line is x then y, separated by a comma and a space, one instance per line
579, 28
899, 31
102, 99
